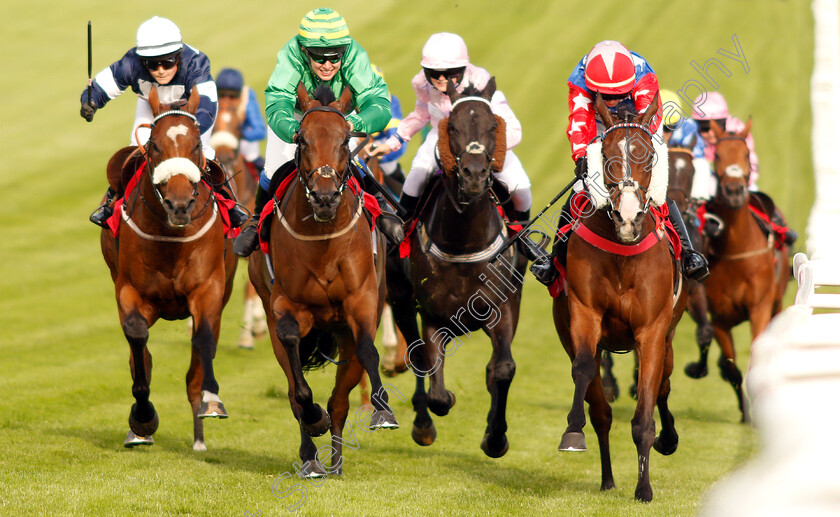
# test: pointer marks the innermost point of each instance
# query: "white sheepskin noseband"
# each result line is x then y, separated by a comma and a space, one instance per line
224, 139
658, 188
173, 166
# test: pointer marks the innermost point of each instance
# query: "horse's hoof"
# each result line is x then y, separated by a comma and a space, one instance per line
494, 452
574, 442
212, 409
383, 419
132, 440
318, 427
442, 409
142, 428
696, 370
199, 446
312, 469
666, 447
644, 494
424, 436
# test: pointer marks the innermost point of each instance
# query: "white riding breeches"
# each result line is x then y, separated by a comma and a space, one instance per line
512, 175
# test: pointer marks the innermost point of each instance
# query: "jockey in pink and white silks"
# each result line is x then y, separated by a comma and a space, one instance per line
707, 107
445, 58
628, 85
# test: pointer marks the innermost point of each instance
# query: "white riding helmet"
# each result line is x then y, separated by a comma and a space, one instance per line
157, 37
445, 50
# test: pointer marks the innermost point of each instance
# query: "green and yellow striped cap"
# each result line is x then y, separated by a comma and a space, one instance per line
323, 27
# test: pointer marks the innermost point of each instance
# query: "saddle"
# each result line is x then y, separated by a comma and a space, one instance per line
764, 210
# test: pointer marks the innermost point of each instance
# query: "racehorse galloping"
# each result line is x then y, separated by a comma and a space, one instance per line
326, 289
749, 270
457, 290
622, 292
171, 260
225, 141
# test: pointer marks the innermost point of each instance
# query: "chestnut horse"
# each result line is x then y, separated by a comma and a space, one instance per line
225, 141
171, 260
622, 291
748, 271
456, 288
327, 291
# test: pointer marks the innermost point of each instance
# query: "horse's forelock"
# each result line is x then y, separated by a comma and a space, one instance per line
174, 166
323, 94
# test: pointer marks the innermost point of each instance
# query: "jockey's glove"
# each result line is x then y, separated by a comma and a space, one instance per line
580, 167
87, 111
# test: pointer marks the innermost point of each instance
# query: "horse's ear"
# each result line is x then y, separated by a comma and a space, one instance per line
452, 91
716, 129
154, 101
194, 100
343, 103
304, 100
490, 89
650, 112
447, 159
746, 131
603, 112
501, 144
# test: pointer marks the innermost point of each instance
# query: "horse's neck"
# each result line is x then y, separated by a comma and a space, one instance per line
476, 226
742, 231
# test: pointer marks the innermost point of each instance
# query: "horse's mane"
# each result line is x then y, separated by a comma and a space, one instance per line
470, 90
323, 94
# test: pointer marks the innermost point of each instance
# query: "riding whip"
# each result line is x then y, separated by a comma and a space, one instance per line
386, 193
90, 66
518, 234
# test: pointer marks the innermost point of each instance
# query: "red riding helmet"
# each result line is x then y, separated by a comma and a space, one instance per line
609, 69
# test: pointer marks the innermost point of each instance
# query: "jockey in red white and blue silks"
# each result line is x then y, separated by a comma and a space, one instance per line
612, 70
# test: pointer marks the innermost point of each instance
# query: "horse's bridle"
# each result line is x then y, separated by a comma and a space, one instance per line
640, 191
307, 177
473, 147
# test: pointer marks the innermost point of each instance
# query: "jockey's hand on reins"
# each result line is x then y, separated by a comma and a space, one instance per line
580, 167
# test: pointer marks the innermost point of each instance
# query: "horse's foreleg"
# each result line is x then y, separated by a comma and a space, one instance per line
608, 380
651, 350
204, 345
142, 419
585, 332
698, 308
195, 375
439, 400
728, 368
668, 439
499, 375
347, 376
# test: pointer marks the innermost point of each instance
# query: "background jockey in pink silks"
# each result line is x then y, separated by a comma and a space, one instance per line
628, 85
712, 106
445, 58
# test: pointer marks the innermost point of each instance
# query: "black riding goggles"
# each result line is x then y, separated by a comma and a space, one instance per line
706, 125
167, 62
614, 97
322, 55
449, 73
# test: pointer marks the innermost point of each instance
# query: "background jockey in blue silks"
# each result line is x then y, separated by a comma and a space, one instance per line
230, 83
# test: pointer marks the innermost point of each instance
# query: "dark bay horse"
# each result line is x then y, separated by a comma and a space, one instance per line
456, 288
327, 291
749, 271
622, 292
171, 260
225, 141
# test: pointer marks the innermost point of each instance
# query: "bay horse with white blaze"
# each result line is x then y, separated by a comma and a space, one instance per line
171, 259
749, 268
227, 133
327, 291
622, 291
455, 287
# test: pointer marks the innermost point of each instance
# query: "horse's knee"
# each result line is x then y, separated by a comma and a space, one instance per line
203, 339
504, 371
288, 330
643, 430
583, 366
136, 327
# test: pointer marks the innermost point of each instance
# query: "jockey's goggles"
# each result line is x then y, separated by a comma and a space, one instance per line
449, 73
167, 62
322, 55
614, 97
233, 94
706, 125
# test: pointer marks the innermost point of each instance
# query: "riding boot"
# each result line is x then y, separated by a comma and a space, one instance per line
524, 244
790, 235
100, 216
410, 204
388, 221
249, 238
543, 267
238, 215
694, 264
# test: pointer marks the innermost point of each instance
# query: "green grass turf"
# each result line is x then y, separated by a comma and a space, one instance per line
64, 379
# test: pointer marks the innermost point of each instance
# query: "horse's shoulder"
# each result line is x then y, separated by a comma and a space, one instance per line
125, 159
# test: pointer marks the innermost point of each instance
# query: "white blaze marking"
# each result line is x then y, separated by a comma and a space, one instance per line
174, 131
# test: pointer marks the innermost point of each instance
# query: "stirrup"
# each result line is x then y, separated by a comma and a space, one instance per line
391, 227
714, 225
699, 270
100, 216
247, 241
543, 270
238, 216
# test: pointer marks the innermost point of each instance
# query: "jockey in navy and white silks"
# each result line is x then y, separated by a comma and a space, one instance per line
230, 83
682, 131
